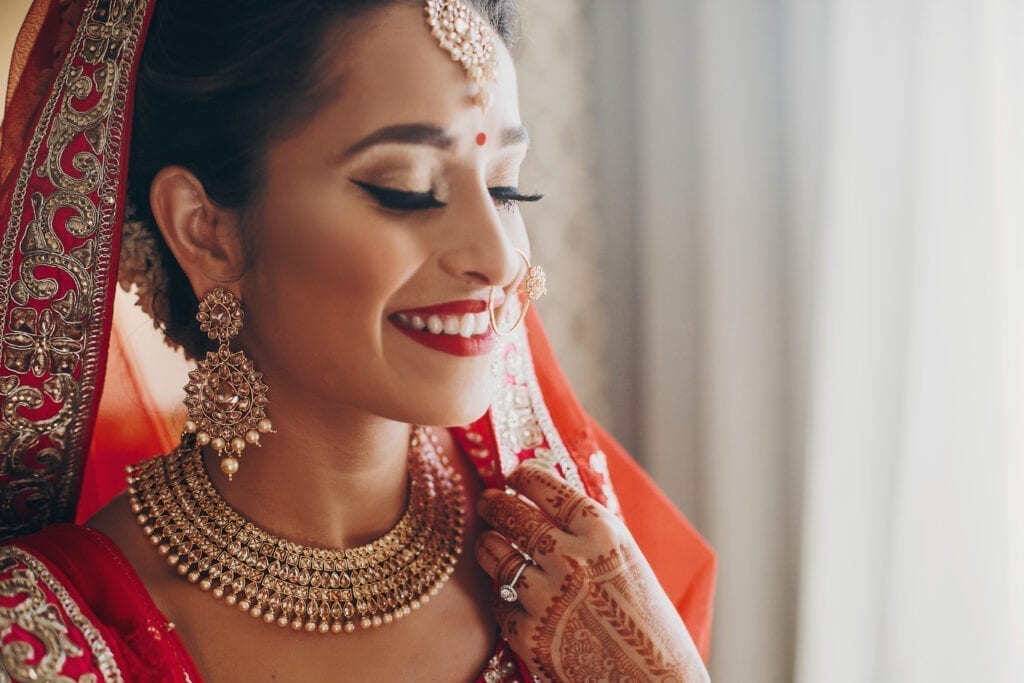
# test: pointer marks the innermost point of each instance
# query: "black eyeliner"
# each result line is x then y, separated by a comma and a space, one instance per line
400, 200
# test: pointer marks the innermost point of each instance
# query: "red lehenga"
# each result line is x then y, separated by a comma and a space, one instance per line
71, 607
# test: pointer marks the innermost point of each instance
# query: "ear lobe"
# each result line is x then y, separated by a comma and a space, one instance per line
203, 236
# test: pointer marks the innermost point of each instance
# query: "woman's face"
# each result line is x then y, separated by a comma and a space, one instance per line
389, 211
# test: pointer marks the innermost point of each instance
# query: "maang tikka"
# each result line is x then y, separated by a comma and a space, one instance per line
225, 396
470, 42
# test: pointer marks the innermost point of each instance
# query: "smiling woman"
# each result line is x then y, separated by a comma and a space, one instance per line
317, 201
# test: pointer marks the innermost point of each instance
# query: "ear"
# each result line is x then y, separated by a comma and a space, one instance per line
204, 237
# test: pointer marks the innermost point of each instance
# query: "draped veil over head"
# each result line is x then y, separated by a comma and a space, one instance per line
63, 176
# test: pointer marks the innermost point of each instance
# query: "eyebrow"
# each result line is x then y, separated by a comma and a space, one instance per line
426, 134
405, 134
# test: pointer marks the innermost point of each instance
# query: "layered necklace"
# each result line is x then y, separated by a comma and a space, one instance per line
306, 588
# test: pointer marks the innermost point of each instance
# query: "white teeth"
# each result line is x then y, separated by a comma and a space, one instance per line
483, 321
466, 325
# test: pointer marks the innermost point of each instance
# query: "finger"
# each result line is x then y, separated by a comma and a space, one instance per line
502, 562
521, 523
511, 619
568, 508
496, 557
516, 626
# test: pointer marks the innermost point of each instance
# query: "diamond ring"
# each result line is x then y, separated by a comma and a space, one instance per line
508, 591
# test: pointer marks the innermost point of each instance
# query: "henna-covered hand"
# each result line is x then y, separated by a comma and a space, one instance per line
590, 608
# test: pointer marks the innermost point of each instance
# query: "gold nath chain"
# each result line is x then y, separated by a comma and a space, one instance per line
316, 589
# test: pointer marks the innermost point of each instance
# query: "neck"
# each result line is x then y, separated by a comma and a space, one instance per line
335, 485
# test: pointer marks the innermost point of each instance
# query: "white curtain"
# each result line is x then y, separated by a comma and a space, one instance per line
916, 393
832, 226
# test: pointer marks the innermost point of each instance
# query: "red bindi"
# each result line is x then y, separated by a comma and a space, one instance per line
481, 139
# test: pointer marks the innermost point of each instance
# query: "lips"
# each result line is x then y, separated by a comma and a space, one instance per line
459, 328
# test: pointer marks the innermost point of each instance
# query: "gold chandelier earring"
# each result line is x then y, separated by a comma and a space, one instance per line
534, 287
226, 398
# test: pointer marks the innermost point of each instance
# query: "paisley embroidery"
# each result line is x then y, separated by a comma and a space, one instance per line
55, 267
515, 423
43, 343
521, 420
35, 633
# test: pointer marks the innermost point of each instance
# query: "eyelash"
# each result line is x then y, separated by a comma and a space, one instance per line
506, 197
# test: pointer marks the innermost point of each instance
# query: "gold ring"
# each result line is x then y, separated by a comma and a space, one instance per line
536, 287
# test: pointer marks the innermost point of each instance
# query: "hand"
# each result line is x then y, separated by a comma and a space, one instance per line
590, 608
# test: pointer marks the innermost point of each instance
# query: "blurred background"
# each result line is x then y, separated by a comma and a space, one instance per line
785, 247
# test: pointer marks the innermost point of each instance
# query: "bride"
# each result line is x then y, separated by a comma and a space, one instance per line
317, 201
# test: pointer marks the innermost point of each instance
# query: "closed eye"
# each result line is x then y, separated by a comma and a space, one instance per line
401, 200
507, 196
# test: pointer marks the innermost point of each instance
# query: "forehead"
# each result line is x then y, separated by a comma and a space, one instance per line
392, 70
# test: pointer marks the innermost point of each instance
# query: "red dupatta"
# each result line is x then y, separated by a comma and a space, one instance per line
64, 162
63, 165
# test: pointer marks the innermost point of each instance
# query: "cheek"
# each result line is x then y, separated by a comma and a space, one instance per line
317, 243
351, 265
320, 290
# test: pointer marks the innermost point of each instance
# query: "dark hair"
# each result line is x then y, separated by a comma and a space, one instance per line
219, 81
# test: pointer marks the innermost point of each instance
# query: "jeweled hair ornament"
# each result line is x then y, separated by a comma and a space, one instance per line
470, 41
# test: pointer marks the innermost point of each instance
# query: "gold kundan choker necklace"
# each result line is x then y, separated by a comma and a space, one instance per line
316, 589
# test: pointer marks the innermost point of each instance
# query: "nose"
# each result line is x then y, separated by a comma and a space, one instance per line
480, 249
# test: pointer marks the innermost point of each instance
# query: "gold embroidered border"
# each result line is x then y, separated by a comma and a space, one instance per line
52, 350
36, 616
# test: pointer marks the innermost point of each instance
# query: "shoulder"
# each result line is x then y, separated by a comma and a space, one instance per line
116, 524
49, 630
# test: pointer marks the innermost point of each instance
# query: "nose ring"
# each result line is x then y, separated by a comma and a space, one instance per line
535, 288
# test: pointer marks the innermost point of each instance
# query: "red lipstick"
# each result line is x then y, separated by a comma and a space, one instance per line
453, 344
456, 345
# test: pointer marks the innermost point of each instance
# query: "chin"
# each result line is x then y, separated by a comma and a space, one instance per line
465, 417
442, 410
